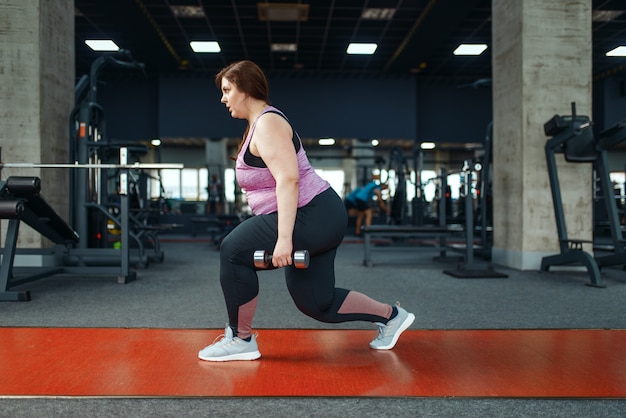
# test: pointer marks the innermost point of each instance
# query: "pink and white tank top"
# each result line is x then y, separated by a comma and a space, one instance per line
259, 184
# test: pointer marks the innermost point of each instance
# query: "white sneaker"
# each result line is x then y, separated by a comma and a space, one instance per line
389, 333
230, 348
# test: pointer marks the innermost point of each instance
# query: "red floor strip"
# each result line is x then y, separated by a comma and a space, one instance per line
453, 363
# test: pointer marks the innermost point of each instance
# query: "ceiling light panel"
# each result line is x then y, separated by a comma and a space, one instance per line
378, 13
102, 45
470, 49
188, 11
278, 47
205, 46
283, 12
605, 15
361, 48
620, 51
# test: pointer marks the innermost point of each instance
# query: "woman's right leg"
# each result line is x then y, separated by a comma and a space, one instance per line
240, 285
238, 275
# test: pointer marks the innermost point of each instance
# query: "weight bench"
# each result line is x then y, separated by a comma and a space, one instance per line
212, 224
20, 201
148, 233
405, 231
218, 226
144, 234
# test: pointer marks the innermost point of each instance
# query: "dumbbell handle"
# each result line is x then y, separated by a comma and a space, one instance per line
263, 260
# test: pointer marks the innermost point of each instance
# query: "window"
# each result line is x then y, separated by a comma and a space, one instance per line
186, 184
229, 185
170, 180
334, 177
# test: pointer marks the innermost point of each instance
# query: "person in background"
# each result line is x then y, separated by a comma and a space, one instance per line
364, 203
216, 195
350, 202
295, 209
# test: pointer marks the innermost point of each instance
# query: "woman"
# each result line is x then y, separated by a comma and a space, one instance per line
294, 209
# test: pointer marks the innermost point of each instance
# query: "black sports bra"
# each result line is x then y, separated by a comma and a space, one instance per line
254, 161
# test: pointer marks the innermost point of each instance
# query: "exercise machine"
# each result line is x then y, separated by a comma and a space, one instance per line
95, 207
573, 137
469, 268
607, 139
20, 200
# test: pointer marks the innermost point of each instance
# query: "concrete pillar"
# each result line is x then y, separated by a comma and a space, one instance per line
37, 95
541, 63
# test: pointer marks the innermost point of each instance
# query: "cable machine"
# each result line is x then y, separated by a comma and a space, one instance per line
88, 187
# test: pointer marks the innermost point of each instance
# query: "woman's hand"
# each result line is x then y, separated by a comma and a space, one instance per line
282, 255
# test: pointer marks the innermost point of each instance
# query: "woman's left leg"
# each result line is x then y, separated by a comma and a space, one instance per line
320, 227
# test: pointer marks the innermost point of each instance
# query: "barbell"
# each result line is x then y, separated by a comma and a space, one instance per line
136, 166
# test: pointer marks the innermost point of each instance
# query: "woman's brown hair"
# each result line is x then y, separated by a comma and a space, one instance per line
249, 79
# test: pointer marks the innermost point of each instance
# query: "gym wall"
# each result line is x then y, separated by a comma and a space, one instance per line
340, 107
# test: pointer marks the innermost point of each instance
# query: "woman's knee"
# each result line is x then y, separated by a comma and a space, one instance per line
318, 313
227, 248
312, 311
310, 305
234, 250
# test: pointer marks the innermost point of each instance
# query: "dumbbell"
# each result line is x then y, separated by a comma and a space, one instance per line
263, 260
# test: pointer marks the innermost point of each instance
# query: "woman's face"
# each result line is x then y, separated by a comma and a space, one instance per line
234, 99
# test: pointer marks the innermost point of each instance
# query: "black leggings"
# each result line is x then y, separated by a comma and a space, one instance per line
319, 228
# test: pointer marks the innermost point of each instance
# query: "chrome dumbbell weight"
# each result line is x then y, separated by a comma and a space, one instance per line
263, 260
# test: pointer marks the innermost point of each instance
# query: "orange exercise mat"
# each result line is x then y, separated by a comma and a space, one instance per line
105, 362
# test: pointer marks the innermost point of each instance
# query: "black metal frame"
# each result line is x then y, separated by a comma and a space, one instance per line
606, 140
469, 268
89, 187
22, 202
573, 137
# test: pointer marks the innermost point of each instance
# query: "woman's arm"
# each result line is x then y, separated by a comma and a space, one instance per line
272, 140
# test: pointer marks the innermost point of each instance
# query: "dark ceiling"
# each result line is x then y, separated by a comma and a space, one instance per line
418, 39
